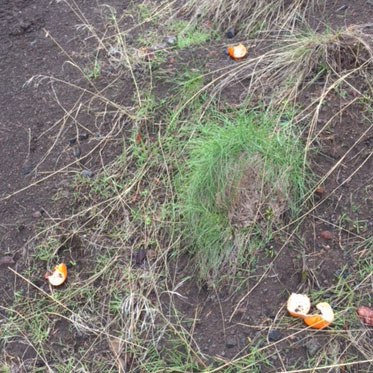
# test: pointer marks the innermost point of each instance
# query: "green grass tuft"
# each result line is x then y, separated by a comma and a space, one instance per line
245, 171
189, 35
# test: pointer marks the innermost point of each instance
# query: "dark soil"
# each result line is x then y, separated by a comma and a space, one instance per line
226, 325
37, 141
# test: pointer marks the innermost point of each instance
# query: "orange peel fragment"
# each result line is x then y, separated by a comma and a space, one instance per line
299, 305
237, 52
323, 320
58, 276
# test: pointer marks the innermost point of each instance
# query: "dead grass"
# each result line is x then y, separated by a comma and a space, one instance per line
252, 17
296, 60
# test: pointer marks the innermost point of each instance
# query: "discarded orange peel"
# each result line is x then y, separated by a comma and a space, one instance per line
59, 275
323, 320
299, 305
237, 52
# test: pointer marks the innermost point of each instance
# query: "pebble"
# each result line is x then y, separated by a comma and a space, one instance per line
274, 335
36, 214
87, 173
326, 235
27, 169
231, 33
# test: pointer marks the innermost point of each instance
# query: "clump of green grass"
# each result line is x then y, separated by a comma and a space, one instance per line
245, 171
188, 34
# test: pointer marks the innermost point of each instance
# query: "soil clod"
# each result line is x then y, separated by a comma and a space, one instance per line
326, 235
274, 335
6, 260
231, 33
231, 342
139, 257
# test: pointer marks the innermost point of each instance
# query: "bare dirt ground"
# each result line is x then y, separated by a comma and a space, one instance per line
31, 117
227, 324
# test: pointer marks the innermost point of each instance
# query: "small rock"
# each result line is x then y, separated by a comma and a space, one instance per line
312, 346
87, 173
326, 235
274, 335
230, 342
27, 169
231, 33
170, 40
36, 214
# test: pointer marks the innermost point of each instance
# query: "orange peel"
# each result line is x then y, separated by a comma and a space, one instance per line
237, 52
58, 276
298, 305
323, 320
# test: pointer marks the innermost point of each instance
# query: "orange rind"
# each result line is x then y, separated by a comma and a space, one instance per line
58, 276
298, 305
237, 52
323, 320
